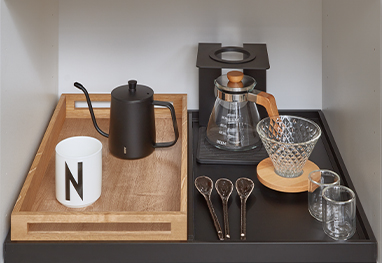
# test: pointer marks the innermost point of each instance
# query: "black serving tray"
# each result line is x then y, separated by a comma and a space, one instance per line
279, 226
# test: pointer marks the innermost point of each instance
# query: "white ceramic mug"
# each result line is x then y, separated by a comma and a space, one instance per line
78, 171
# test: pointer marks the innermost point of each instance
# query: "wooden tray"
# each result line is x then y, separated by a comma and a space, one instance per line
142, 199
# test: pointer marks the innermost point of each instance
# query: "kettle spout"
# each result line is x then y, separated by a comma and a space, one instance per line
79, 86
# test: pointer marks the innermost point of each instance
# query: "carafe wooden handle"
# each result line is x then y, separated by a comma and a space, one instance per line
260, 97
266, 100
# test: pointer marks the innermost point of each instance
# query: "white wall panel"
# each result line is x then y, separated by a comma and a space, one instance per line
351, 94
29, 59
103, 44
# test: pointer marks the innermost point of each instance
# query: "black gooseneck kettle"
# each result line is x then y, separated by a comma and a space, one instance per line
132, 121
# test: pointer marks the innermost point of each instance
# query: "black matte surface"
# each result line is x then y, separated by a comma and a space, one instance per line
209, 154
271, 216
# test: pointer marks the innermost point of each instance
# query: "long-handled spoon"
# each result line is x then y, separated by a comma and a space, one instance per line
224, 188
244, 188
205, 185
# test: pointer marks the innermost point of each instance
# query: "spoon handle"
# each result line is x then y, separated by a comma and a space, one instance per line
226, 223
215, 218
243, 221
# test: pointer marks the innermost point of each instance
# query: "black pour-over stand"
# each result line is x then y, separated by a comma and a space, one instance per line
255, 62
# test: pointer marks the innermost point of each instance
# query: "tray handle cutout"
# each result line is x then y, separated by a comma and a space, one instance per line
100, 227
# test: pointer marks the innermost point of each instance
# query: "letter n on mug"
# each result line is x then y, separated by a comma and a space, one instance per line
78, 171
78, 186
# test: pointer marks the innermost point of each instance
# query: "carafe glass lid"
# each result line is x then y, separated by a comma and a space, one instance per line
235, 82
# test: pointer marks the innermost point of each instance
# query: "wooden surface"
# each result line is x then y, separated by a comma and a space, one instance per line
268, 102
268, 177
235, 76
143, 199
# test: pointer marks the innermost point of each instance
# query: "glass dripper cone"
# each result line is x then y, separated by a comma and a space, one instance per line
289, 141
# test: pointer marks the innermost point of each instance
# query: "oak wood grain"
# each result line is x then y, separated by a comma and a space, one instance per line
268, 177
143, 199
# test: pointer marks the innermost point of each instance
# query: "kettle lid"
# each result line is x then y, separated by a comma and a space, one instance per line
132, 92
235, 82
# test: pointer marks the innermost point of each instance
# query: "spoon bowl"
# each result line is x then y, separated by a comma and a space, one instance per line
224, 187
204, 185
244, 187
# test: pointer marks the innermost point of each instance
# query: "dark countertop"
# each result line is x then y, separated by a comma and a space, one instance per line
279, 226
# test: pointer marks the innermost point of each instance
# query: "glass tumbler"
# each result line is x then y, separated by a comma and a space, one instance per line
318, 180
338, 212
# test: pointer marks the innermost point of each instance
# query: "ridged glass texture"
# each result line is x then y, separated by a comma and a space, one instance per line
232, 125
289, 141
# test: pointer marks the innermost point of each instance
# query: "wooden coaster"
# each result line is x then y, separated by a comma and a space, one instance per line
267, 176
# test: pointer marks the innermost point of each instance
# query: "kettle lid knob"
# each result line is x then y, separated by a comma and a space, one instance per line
132, 92
132, 85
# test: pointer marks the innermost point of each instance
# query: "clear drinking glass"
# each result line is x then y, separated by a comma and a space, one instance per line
339, 212
318, 180
289, 141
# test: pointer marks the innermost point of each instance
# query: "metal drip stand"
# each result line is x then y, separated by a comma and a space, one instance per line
210, 62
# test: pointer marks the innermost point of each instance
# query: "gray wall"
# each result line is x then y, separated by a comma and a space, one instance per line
28, 91
352, 94
103, 44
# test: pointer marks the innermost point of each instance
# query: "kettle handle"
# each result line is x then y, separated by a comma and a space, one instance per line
264, 99
172, 110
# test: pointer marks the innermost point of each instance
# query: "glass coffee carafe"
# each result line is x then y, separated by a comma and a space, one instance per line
233, 120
